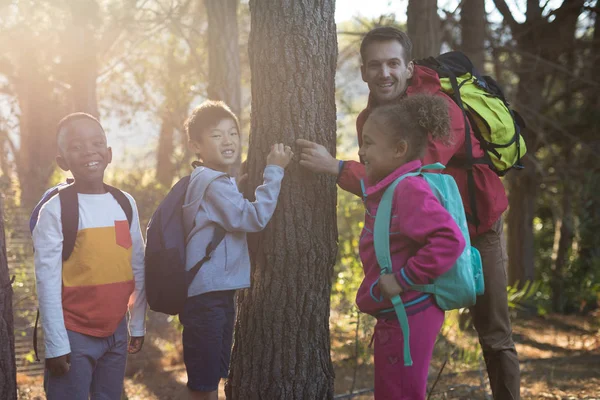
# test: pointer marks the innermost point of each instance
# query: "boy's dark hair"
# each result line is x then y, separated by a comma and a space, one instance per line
413, 119
384, 34
207, 115
76, 116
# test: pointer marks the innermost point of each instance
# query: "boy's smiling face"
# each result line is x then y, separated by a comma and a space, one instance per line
83, 151
219, 145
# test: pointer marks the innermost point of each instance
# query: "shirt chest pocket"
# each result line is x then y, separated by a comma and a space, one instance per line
122, 234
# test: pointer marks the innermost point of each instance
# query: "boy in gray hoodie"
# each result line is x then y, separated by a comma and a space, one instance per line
212, 200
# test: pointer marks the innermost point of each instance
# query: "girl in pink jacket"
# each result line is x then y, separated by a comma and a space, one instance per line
425, 241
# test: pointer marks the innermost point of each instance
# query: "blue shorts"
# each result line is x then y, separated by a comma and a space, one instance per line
207, 321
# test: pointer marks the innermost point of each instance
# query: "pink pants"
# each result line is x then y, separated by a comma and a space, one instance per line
394, 381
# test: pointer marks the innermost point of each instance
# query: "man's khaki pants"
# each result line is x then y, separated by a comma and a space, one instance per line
491, 318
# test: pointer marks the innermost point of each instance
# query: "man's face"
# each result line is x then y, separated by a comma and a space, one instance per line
385, 70
83, 151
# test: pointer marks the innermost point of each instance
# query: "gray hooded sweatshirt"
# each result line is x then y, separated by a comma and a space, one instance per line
212, 199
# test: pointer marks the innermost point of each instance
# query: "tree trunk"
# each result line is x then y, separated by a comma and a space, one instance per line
281, 345
473, 26
521, 211
82, 66
424, 28
40, 112
165, 168
8, 369
224, 76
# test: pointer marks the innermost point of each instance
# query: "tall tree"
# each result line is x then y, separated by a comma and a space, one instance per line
224, 53
540, 40
81, 65
8, 369
281, 344
224, 82
424, 27
473, 26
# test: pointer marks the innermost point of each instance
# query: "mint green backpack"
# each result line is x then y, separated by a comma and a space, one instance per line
458, 287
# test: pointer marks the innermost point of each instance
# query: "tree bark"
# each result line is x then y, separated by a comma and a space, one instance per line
424, 28
224, 76
473, 25
8, 369
281, 345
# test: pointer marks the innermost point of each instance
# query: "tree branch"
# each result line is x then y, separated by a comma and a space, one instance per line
507, 15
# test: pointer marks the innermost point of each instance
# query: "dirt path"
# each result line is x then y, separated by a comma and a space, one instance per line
560, 360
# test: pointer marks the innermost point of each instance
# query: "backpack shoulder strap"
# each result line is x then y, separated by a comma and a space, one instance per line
69, 216
122, 200
381, 238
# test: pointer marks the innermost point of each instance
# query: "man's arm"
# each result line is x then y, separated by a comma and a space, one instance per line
316, 158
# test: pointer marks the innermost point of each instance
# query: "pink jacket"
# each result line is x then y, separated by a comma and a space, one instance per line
425, 241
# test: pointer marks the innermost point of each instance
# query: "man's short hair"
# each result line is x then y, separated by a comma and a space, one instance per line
383, 34
207, 115
64, 123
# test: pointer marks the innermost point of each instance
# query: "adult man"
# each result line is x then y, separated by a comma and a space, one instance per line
390, 75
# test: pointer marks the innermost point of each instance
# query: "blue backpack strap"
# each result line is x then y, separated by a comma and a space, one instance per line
382, 251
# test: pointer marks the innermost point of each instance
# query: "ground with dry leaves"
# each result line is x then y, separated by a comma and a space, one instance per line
560, 359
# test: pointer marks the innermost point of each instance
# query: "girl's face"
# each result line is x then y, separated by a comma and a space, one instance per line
380, 153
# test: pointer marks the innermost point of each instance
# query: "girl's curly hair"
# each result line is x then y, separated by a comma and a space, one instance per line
413, 119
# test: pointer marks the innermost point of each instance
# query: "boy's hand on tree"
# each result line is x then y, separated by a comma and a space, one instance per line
316, 158
389, 286
280, 155
135, 344
58, 366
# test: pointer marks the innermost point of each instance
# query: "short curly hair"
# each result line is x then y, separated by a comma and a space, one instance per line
207, 115
413, 119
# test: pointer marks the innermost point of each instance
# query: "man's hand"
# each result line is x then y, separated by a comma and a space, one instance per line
58, 366
135, 344
389, 286
316, 158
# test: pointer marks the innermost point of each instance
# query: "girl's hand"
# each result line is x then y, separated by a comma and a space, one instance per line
280, 155
389, 286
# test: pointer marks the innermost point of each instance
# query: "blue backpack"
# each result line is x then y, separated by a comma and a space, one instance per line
167, 280
458, 287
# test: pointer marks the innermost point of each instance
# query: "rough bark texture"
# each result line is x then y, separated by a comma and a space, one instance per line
424, 28
281, 344
473, 25
8, 369
224, 76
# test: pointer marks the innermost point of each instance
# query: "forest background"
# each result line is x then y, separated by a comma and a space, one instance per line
142, 65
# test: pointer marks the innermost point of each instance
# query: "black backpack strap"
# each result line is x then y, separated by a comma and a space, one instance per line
468, 150
122, 200
35, 336
69, 215
216, 240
